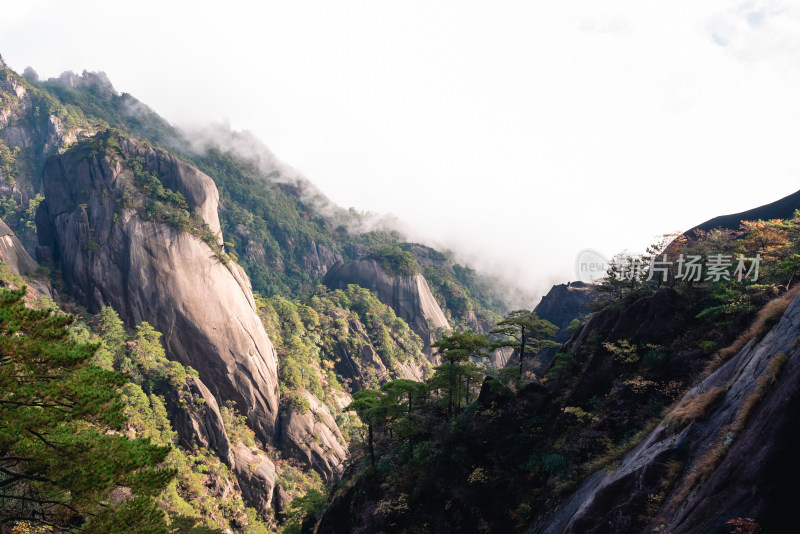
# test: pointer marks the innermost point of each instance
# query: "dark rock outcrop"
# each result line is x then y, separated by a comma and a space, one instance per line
562, 304
256, 475
149, 271
319, 258
409, 296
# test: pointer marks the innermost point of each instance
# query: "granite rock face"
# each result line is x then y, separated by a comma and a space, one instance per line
312, 436
409, 296
204, 427
19, 262
13, 254
256, 475
562, 304
150, 271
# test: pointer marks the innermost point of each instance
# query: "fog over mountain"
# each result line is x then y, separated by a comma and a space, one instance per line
504, 135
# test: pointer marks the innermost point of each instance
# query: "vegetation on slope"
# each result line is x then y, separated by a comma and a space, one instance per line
61, 452
514, 453
273, 228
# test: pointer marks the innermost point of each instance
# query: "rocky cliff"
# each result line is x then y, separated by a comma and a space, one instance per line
408, 295
562, 304
91, 227
32, 127
20, 263
13, 254
309, 432
723, 455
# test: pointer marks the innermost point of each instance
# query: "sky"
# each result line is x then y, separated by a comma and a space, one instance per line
515, 133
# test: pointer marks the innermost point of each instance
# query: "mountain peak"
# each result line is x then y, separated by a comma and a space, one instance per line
87, 80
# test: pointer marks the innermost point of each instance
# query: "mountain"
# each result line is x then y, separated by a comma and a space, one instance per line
270, 355
196, 264
659, 413
780, 209
725, 448
562, 305
405, 292
119, 241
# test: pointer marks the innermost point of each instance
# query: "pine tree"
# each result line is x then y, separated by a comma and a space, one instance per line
60, 456
456, 351
525, 332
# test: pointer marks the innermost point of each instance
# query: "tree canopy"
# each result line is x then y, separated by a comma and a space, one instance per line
525, 332
61, 453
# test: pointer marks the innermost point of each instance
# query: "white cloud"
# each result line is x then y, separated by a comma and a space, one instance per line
520, 133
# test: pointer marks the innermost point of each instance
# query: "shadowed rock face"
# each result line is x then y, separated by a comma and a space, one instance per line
755, 478
149, 271
256, 475
204, 427
562, 304
409, 296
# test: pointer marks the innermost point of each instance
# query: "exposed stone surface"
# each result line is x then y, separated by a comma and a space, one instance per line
197, 419
36, 135
409, 296
313, 437
19, 262
201, 426
256, 475
562, 304
280, 502
319, 259
358, 366
13, 254
756, 477
149, 271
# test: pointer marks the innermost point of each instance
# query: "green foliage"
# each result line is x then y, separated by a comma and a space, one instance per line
236, 425
395, 260
310, 336
57, 456
298, 402
458, 374
574, 326
725, 301
310, 506
190, 505
8, 160
555, 464
525, 332
563, 363
169, 207
623, 351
